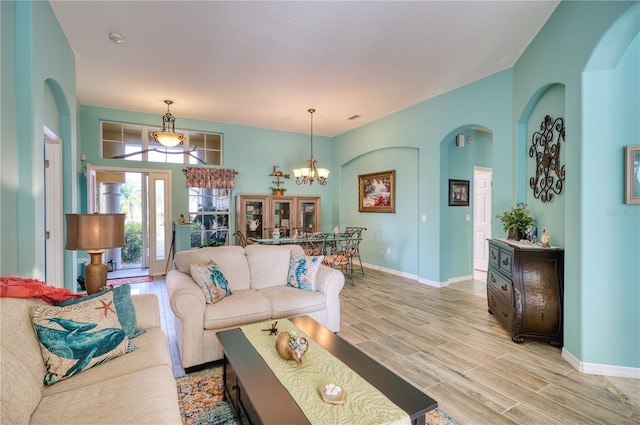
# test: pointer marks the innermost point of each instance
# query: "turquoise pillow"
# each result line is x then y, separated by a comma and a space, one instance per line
124, 308
79, 336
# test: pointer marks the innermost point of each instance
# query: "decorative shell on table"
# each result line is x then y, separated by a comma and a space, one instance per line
291, 347
332, 393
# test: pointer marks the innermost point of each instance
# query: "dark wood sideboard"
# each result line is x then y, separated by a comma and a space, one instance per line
525, 290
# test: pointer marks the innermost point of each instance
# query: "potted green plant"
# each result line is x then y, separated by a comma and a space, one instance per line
516, 221
277, 191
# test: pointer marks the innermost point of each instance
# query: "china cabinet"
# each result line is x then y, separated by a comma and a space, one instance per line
257, 215
525, 290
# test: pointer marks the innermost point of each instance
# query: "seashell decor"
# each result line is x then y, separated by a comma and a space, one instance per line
290, 347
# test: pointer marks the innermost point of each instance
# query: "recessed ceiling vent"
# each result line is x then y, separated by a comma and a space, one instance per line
354, 117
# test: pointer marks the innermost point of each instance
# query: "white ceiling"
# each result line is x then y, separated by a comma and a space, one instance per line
264, 63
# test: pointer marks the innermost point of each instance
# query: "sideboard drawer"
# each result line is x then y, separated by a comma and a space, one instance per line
504, 313
506, 260
494, 255
501, 285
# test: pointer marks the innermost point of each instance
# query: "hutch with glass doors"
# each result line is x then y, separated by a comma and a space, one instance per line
258, 215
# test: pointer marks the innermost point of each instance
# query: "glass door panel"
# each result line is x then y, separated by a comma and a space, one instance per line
282, 215
255, 218
308, 216
159, 221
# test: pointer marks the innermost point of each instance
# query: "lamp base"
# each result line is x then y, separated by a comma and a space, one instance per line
95, 274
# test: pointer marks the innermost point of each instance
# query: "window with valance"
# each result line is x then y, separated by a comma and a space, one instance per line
209, 206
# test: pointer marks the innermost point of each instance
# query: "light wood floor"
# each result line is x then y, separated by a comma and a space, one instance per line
444, 341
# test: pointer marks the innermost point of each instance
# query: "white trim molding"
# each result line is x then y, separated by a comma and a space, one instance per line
600, 369
407, 275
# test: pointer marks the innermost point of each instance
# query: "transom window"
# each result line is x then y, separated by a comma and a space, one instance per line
133, 142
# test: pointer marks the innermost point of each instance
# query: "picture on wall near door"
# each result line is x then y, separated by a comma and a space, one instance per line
632, 175
377, 192
458, 193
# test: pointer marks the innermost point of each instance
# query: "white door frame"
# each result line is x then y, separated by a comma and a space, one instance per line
481, 228
158, 254
54, 241
165, 175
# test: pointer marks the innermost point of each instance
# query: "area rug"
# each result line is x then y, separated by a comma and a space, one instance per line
201, 401
123, 280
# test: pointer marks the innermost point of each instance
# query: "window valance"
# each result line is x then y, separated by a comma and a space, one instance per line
211, 178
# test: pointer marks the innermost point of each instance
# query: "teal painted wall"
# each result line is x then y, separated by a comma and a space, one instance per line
8, 136
578, 36
546, 214
610, 319
38, 74
395, 231
583, 61
251, 151
458, 163
428, 128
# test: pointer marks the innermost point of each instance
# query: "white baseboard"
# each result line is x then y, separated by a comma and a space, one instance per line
460, 279
600, 369
407, 275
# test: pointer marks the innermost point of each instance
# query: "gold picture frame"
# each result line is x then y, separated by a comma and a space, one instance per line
632, 175
377, 192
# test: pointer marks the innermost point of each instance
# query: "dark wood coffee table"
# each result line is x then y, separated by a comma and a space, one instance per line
257, 396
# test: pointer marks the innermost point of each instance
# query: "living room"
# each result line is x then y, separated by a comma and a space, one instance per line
582, 65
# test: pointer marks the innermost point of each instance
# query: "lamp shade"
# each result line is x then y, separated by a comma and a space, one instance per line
94, 231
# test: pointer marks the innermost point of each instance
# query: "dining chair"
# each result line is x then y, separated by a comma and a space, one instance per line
240, 238
313, 244
337, 246
354, 249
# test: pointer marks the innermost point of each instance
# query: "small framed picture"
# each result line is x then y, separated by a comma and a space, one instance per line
632, 175
458, 193
377, 192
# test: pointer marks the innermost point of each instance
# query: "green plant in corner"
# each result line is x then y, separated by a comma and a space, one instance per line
516, 221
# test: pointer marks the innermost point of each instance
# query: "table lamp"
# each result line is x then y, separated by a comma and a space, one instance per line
95, 233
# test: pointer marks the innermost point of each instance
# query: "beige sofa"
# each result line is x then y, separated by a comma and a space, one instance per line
257, 278
136, 388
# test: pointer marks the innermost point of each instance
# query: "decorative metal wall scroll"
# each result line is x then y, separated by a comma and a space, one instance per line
545, 147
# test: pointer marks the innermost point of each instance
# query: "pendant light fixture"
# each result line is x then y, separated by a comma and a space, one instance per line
168, 136
310, 173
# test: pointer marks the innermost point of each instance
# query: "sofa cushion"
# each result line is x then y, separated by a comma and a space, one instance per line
269, 264
147, 396
152, 351
238, 309
79, 336
124, 308
303, 271
287, 301
231, 260
211, 280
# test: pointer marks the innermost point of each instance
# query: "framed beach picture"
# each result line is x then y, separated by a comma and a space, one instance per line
377, 192
632, 175
458, 193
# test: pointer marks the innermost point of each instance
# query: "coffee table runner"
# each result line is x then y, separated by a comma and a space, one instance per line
363, 403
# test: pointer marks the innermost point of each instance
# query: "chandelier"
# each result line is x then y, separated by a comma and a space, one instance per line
310, 173
168, 136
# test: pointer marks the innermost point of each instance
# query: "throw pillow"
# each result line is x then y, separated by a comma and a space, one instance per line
79, 336
303, 270
124, 307
211, 280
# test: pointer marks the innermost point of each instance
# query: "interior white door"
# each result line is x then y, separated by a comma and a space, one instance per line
53, 209
481, 217
160, 214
